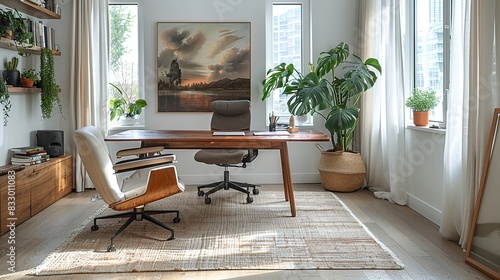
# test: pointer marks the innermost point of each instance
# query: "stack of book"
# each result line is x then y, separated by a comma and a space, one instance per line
29, 155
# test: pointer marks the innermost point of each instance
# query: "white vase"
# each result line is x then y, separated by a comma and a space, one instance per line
128, 121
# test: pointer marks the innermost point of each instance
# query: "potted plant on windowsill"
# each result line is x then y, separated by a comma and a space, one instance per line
421, 102
333, 99
124, 106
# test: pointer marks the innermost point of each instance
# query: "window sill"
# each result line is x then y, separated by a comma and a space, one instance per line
426, 129
119, 128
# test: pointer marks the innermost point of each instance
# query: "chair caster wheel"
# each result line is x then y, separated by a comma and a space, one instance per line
208, 200
111, 248
177, 220
255, 191
249, 199
94, 227
201, 193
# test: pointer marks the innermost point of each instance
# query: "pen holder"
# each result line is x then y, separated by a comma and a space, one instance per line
272, 127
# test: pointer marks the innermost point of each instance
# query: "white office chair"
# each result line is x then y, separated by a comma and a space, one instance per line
161, 181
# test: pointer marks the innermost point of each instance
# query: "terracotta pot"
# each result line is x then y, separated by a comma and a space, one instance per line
27, 82
421, 118
341, 171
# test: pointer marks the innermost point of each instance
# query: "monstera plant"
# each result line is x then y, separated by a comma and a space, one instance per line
331, 90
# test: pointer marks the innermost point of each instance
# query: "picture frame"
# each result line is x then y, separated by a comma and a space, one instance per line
198, 62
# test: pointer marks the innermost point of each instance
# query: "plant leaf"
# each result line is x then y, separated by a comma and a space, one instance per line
341, 118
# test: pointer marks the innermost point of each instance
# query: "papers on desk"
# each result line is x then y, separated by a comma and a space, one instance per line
272, 133
228, 133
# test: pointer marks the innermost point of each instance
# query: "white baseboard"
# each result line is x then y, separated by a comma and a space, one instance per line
425, 209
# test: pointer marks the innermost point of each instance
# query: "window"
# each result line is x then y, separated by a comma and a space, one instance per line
287, 41
431, 47
125, 67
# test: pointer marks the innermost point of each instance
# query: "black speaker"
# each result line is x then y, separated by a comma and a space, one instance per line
52, 141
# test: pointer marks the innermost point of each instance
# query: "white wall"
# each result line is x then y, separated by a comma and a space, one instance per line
266, 168
423, 172
25, 115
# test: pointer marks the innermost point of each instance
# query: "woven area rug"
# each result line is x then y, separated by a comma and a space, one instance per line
228, 234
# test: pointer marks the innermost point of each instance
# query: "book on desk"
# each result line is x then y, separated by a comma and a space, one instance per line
228, 133
272, 133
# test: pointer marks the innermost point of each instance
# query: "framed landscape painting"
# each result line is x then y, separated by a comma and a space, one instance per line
201, 62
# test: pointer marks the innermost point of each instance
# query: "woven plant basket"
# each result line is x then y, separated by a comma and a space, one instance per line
341, 171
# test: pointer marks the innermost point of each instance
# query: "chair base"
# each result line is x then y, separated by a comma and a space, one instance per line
226, 185
138, 215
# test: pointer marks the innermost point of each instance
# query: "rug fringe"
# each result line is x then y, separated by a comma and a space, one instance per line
36, 271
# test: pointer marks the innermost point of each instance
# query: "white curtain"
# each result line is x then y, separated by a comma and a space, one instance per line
89, 71
472, 98
382, 109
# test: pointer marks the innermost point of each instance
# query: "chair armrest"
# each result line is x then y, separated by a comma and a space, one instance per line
139, 151
162, 182
144, 162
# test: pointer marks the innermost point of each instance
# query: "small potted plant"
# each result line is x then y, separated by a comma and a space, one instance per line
28, 77
124, 105
421, 102
11, 75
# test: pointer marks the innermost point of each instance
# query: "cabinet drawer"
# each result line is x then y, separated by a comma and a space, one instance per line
42, 183
22, 201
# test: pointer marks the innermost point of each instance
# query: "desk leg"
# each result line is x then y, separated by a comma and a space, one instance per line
287, 177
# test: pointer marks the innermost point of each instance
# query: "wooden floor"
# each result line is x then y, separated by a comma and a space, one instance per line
414, 239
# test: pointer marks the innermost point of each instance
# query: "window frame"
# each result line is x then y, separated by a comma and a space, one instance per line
140, 58
305, 52
411, 9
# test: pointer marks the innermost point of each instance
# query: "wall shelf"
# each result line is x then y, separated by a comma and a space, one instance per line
9, 45
26, 90
30, 8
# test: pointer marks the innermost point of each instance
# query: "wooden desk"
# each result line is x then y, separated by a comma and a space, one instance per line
203, 139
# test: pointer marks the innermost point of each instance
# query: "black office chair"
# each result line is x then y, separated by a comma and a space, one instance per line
228, 115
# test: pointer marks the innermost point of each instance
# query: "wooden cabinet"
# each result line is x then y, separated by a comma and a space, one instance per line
21, 194
36, 187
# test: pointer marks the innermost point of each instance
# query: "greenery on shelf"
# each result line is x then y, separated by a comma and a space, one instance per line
422, 100
12, 64
12, 25
124, 105
29, 74
336, 99
49, 95
5, 101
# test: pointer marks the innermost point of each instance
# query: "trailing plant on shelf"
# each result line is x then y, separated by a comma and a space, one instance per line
49, 95
5, 101
124, 105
